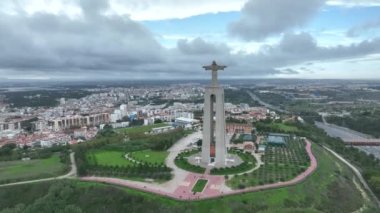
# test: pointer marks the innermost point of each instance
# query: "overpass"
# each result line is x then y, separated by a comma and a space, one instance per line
362, 142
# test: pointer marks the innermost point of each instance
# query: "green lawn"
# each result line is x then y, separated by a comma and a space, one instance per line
199, 185
284, 127
13, 171
108, 158
141, 129
150, 156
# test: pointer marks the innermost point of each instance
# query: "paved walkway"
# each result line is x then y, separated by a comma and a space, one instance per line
72, 173
181, 185
131, 159
259, 163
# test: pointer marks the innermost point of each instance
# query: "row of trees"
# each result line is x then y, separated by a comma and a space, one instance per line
136, 171
293, 153
182, 161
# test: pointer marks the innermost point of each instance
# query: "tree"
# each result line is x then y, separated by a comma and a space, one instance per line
157, 121
7, 149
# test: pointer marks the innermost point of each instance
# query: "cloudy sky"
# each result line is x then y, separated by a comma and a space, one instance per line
169, 39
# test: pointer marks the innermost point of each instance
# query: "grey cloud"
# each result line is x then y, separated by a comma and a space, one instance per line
93, 7
297, 43
263, 18
288, 71
302, 48
115, 46
46, 42
365, 27
199, 46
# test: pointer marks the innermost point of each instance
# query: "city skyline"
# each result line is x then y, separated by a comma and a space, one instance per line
81, 40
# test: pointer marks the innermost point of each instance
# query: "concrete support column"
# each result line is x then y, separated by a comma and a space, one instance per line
220, 152
56, 127
207, 128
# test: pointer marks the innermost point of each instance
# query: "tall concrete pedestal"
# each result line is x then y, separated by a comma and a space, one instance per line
214, 149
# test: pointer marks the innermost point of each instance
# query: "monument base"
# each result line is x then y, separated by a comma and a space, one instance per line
230, 161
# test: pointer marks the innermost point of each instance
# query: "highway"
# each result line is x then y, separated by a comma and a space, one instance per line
341, 132
270, 106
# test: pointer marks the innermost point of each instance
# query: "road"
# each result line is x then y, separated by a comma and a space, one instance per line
341, 132
270, 106
356, 172
72, 173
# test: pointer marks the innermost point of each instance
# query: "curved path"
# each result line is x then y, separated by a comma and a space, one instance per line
259, 163
181, 185
72, 173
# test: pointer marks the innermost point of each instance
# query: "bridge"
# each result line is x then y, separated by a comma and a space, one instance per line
362, 142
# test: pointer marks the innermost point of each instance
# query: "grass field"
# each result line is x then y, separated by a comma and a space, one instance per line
199, 185
284, 127
141, 129
13, 171
150, 156
108, 158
